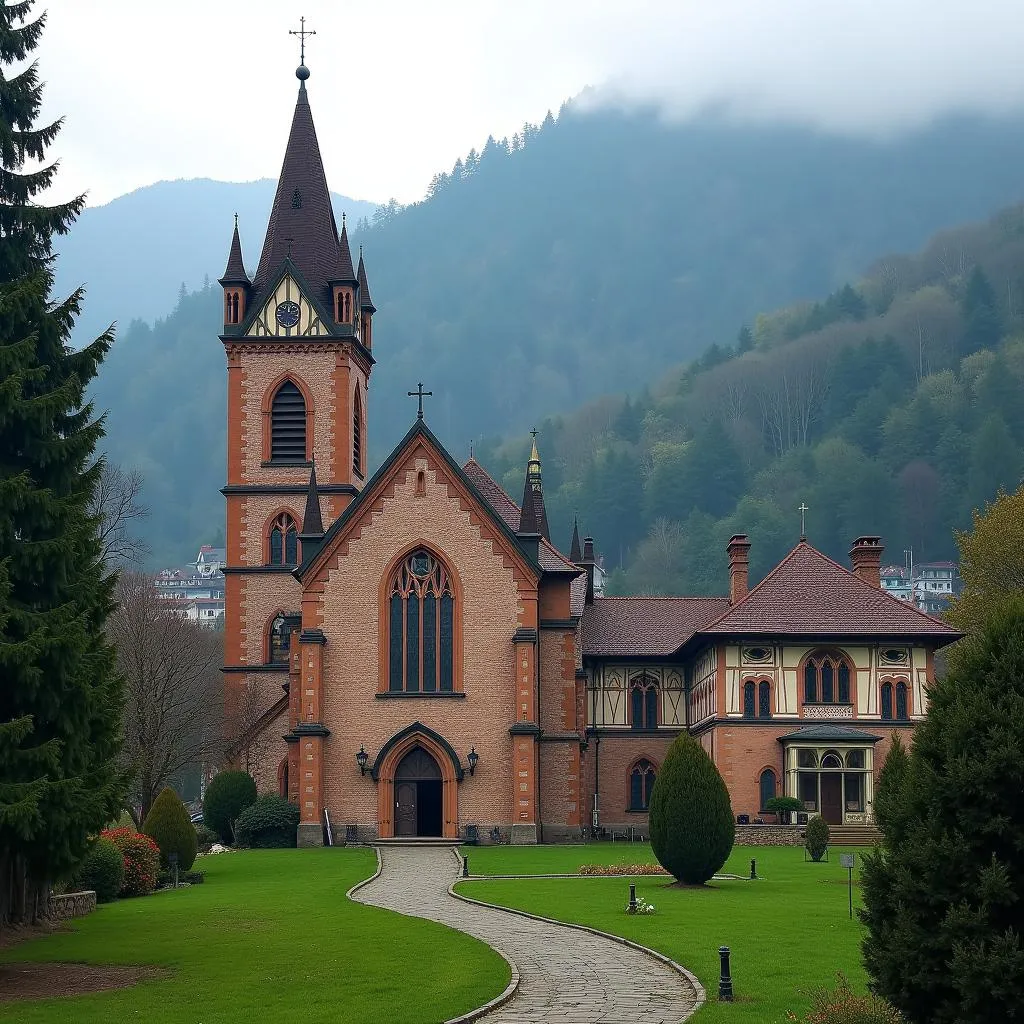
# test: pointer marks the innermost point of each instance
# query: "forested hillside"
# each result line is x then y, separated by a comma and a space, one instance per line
893, 407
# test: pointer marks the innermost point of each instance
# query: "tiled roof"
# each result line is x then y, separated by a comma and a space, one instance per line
365, 302
830, 734
344, 271
809, 593
653, 626
302, 224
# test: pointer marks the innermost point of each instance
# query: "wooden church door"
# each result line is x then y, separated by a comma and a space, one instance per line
405, 809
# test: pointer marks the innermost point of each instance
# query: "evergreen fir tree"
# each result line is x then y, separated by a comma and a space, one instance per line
60, 698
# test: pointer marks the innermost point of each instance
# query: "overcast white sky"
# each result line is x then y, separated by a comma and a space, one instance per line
205, 88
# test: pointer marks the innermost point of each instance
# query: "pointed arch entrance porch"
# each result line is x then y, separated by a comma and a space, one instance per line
417, 774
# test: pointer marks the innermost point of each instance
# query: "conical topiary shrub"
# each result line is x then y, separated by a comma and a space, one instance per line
692, 825
170, 827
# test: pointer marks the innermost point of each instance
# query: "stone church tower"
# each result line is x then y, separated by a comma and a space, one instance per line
298, 340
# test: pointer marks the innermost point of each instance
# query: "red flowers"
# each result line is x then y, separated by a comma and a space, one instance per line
141, 860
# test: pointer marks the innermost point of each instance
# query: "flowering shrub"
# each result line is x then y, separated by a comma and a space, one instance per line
141, 860
842, 1006
642, 907
622, 869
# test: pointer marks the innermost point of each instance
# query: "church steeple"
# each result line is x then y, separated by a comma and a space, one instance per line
235, 282
366, 306
533, 517
344, 285
575, 553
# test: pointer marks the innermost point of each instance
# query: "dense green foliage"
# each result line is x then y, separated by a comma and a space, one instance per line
816, 838
238, 948
691, 821
789, 931
205, 837
168, 825
943, 895
60, 698
782, 806
102, 870
608, 247
227, 795
141, 858
270, 823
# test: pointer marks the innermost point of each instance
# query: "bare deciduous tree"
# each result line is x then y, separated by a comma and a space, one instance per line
116, 503
173, 717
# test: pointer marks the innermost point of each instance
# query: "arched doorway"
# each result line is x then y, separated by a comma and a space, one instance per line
418, 795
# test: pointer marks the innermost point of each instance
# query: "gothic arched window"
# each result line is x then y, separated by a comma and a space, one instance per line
357, 432
280, 640
748, 699
826, 678
421, 626
641, 785
283, 541
766, 785
288, 424
764, 699
901, 702
886, 702
643, 696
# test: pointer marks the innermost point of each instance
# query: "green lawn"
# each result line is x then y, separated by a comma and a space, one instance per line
268, 937
789, 931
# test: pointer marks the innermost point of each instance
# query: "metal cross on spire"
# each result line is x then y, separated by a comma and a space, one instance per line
534, 433
803, 510
302, 32
420, 394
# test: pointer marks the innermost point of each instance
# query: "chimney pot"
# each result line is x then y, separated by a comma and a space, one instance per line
738, 550
866, 559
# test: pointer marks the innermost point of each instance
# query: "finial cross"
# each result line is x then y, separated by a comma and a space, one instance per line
302, 32
420, 394
803, 510
534, 433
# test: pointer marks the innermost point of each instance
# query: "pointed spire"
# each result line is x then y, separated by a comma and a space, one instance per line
365, 302
344, 270
302, 225
312, 522
234, 272
533, 517
575, 552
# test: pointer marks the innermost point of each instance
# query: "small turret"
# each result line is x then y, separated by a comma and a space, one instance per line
575, 555
312, 534
344, 284
366, 306
235, 282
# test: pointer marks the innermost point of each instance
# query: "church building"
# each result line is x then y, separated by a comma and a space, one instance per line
408, 653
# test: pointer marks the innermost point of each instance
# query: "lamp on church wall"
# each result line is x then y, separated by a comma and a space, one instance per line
472, 759
361, 758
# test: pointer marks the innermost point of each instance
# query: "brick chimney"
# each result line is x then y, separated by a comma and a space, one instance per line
739, 566
589, 563
866, 558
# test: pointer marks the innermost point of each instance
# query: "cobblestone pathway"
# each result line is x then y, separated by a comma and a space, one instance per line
566, 975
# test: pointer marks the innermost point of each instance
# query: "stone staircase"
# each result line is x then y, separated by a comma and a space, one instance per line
854, 835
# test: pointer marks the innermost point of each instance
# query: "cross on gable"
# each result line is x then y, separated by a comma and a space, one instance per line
420, 394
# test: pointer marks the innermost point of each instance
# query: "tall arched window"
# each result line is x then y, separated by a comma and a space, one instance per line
749, 701
288, 424
764, 699
886, 702
766, 785
357, 432
641, 785
421, 626
283, 541
826, 679
643, 696
901, 702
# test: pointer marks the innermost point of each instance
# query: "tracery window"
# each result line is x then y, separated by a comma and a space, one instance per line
283, 541
288, 424
643, 698
826, 679
641, 785
766, 786
421, 626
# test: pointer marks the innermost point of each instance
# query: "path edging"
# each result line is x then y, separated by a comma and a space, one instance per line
698, 988
500, 999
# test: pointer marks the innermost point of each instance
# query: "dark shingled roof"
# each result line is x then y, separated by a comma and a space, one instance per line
312, 521
808, 593
301, 219
365, 302
830, 734
344, 271
234, 272
653, 626
575, 553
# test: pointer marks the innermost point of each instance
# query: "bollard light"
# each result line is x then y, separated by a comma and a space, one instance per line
465, 866
753, 869
632, 897
725, 979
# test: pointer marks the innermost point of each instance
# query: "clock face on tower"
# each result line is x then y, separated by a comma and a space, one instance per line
287, 313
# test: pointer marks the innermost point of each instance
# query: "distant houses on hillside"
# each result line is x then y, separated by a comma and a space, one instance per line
196, 591
928, 585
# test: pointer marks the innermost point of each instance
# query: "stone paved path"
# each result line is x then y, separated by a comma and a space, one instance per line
566, 975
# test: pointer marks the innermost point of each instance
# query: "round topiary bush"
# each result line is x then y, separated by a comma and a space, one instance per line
691, 820
168, 824
816, 838
783, 806
141, 858
102, 870
270, 823
227, 795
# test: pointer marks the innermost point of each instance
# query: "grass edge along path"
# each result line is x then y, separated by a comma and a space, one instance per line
789, 931
269, 935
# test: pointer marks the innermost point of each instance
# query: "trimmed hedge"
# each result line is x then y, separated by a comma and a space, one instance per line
270, 823
816, 838
691, 819
102, 870
169, 826
227, 795
141, 860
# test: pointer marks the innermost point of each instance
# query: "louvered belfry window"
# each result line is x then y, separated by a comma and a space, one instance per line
357, 434
288, 425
